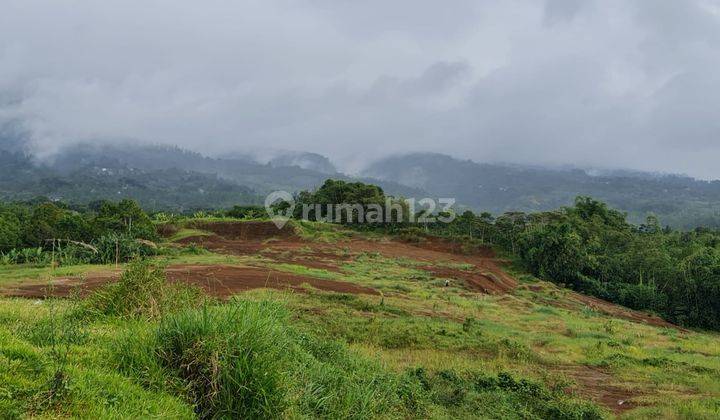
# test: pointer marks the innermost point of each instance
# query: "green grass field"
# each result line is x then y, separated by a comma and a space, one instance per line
416, 350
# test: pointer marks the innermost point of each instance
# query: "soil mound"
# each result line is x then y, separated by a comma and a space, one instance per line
255, 230
476, 281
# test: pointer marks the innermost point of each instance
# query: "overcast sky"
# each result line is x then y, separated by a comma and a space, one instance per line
609, 83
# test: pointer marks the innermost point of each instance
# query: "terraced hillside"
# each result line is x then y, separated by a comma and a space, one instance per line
367, 326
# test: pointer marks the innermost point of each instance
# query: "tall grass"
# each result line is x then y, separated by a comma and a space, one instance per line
244, 360
233, 359
142, 292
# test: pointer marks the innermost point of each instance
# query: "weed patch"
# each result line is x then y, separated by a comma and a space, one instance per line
143, 292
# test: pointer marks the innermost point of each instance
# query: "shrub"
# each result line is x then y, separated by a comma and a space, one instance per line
246, 212
142, 291
167, 230
233, 359
412, 235
121, 247
242, 360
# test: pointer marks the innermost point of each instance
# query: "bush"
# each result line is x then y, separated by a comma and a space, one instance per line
246, 212
121, 247
142, 292
242, 360
233, 359
167, 230
412, 235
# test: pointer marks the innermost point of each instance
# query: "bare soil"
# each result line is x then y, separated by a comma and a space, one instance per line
284, 246
599, 386
287, 247
486, 276
218, 280
483, 275
245, 230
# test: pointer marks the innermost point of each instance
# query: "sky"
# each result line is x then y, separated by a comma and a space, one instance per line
589, 83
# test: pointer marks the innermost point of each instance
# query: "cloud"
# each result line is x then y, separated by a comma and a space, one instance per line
612, 84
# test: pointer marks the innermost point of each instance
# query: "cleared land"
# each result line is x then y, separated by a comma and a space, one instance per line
434, 305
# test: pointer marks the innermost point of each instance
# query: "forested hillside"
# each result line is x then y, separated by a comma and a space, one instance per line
171, 178
679, 201
159, 177
168, 188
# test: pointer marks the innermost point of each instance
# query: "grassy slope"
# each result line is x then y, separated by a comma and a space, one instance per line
418, 323
415, 323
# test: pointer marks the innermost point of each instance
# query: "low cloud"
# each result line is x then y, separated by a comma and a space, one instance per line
612, 84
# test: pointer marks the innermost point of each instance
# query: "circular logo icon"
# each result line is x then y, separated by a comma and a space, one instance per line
279, 205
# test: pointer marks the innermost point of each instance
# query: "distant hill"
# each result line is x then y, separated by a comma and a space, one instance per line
172, 178
156, 189
304, 160
290, 171
159, 177
678, 200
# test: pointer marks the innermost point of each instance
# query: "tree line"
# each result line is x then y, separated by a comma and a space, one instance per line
588, 247
103, 232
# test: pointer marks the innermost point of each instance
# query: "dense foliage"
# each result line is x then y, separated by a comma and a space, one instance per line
681, 201
588, 247
593, 249
340, 201
43, 231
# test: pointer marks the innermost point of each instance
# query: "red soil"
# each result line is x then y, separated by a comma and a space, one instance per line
217, 280
245, 230
282, 245
484, 275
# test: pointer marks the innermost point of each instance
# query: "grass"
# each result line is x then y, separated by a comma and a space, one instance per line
142, 291
28, 274
320, 232
25, 273
231, 359
417, 350
187, 233
90, 386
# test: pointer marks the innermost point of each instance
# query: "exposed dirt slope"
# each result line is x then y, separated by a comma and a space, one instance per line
481, 271
485, 273
478, 272
485, 277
